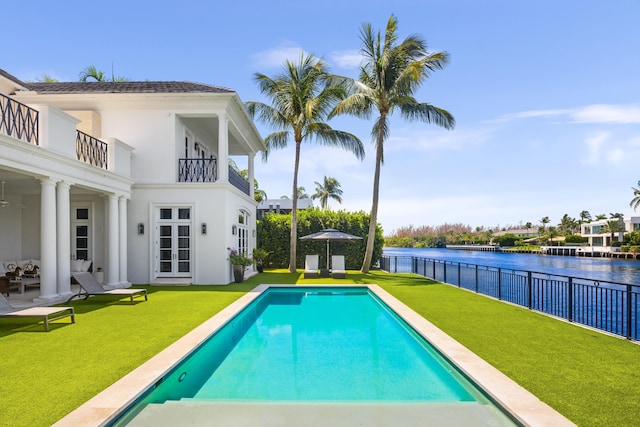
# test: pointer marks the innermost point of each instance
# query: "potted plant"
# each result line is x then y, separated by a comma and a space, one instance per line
239, 261
259, 254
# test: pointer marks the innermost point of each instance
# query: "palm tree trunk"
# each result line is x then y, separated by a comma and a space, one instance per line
373, 220
294, 213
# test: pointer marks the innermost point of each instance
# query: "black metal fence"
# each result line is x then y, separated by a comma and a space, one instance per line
91, 150
18, 121
609, 306
197, 170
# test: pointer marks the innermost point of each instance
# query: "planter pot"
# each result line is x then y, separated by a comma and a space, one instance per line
259, 267
238, 273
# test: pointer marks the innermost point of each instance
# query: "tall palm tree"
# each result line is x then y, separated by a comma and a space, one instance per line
389, 76
635, 202
328, 189
301, 97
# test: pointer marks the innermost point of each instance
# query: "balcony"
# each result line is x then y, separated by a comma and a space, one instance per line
18, 121
91, 150
206, 170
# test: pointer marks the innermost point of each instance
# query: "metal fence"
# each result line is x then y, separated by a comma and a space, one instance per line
18, 121
91, 150
609, 306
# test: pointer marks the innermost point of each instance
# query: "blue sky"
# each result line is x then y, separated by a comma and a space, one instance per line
546, 94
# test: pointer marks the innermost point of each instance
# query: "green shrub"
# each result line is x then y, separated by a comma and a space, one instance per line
274, 230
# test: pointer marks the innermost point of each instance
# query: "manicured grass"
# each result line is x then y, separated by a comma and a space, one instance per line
589, 377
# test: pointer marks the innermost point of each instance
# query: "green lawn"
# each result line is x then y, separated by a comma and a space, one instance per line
591, 378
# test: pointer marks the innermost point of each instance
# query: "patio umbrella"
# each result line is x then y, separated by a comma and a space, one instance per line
328, 235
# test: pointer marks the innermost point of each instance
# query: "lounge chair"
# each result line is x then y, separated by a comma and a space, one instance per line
47, 314
337, 267
89, 286
311, 266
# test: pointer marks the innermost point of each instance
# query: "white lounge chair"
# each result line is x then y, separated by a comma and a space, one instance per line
311, 266
46, 314
337, 267
90, 286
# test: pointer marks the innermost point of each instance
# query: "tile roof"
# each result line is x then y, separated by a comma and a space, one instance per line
124, 87
11, 77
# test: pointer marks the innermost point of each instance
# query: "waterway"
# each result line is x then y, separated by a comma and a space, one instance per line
609, 269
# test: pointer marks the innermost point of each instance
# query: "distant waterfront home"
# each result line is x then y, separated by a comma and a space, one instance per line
131, 177
593, 231
283, 206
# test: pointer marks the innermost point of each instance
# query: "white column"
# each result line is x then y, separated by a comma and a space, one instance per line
223, 148
122, 204
113, 271
48, 276
63, 232
250, 161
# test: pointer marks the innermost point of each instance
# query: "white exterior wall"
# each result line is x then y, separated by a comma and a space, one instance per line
217, 205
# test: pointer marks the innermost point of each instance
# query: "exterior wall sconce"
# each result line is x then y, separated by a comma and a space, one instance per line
234, 229
140, 228
203, 228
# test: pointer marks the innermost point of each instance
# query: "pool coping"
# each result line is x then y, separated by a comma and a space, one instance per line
521, 404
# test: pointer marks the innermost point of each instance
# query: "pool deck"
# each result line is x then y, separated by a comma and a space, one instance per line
523, 406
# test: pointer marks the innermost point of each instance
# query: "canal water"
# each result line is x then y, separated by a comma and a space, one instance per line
609, 269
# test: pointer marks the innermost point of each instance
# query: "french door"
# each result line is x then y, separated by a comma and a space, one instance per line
81, 231
173, 242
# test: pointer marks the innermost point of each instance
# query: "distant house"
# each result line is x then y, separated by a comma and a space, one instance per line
283, 206
593, 231
132, 176
519, 232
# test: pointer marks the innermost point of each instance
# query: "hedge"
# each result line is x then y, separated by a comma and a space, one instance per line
274, 232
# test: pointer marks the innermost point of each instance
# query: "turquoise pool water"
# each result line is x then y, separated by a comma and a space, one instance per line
311, 345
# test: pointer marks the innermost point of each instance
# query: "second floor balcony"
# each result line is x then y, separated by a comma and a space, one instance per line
18, 121
206, 170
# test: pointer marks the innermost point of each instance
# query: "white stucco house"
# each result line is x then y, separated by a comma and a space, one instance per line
132, 176
594, 231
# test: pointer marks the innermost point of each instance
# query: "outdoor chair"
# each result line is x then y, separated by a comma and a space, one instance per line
337, 267
46, 314
311, 266
89, 286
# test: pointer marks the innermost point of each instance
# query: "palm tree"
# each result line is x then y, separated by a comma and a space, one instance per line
301, 194
585, 216
301, 97
91, 72
635, 202
329, 189
612, 227
600, 216
544, 221
46, 78
390, 75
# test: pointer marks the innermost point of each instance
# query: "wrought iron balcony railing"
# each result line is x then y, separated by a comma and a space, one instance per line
91, 150
197, 170
18, 121
206, 170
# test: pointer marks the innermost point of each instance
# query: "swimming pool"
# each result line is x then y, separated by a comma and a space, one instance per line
314, 356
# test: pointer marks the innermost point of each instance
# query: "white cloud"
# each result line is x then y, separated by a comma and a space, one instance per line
276, 57
436, 139
350, 59
602, 113
596, 113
